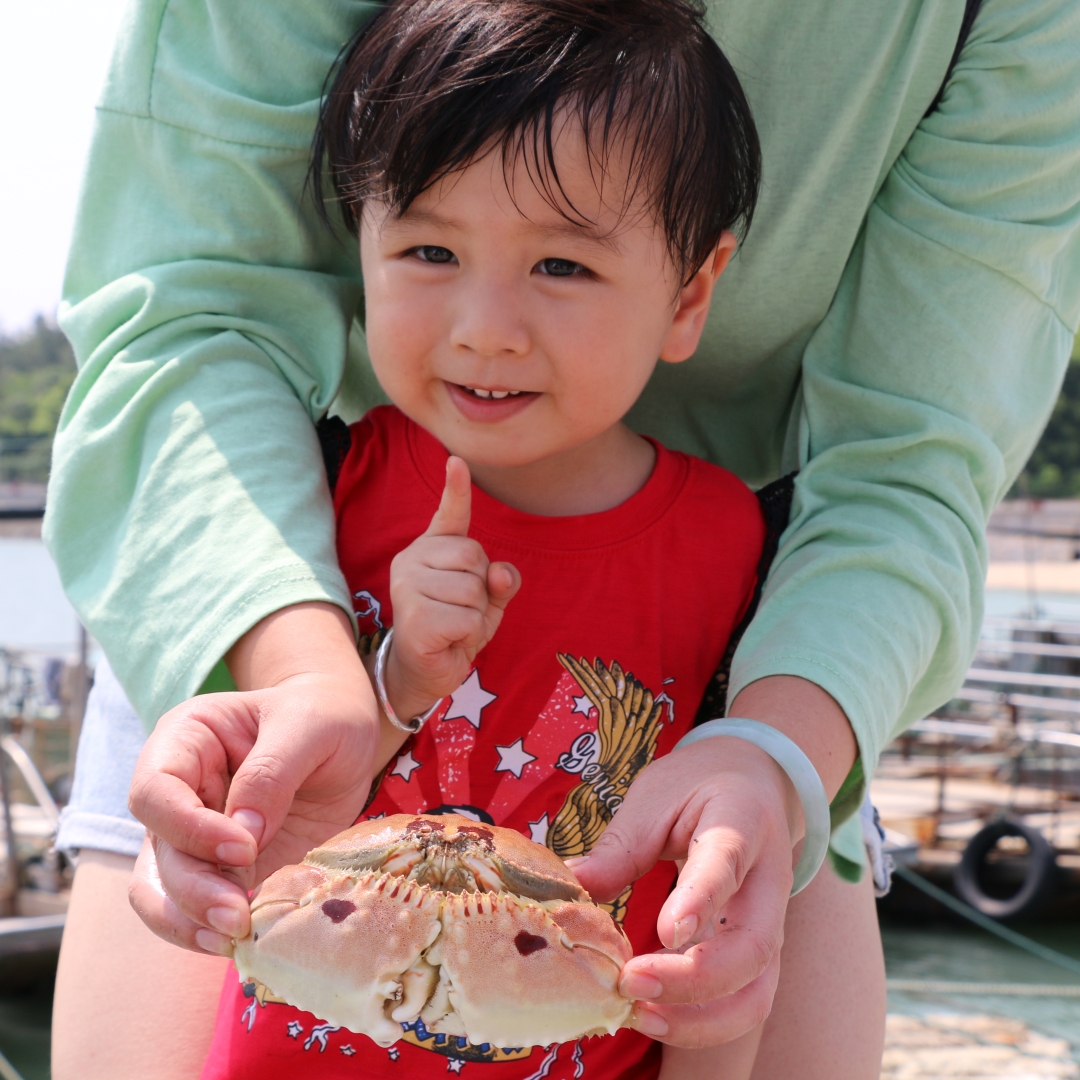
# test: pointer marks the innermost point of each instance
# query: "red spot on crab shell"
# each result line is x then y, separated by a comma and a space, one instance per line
478, 831
338, 910
527, 943
419, 824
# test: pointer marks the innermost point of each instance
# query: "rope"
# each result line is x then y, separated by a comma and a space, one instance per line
931, 986
1051, 956
7, 1070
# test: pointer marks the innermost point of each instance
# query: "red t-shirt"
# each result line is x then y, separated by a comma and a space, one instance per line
599, 666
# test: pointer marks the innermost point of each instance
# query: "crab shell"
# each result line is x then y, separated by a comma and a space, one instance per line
470, 928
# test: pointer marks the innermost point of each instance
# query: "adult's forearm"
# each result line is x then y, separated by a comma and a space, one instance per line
294, 642
807, 715
301, 641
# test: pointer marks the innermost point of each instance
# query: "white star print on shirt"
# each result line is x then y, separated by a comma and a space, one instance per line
348, 1050
583, 705
513, 758
405, 766
295, 1029
393, 1053
538, 830
454, 1065
469, 700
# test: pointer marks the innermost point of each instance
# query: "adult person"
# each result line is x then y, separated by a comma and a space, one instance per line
895, 326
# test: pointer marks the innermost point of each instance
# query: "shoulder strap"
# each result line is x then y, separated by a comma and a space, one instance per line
971, 9
775, 502
334, 440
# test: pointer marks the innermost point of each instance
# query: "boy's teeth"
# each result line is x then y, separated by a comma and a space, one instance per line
497, 394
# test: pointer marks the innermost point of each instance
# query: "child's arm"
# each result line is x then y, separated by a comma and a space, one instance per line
448, 601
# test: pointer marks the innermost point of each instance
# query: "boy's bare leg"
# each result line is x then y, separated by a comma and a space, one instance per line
128, 1005
828, 1017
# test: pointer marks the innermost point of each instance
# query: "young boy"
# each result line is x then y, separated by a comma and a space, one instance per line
543, 193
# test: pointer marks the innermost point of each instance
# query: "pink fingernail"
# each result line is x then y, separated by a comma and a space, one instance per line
235, 853
650, 1023
640, 987
577, 860
213, 943
226, 920
251, 820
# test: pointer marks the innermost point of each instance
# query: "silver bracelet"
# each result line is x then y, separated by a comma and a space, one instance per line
417, 722
802, 774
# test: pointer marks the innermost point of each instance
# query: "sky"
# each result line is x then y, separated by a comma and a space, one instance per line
53, 57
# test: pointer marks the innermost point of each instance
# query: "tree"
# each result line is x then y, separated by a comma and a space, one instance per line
36, 372
1053, 470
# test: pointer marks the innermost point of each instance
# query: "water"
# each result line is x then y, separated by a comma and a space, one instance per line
952, 953
24, 1030
1010, 603
34, 613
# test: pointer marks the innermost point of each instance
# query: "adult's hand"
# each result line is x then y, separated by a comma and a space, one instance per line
727, 812
233, 786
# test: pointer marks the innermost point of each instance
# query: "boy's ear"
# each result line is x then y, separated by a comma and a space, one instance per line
692, 305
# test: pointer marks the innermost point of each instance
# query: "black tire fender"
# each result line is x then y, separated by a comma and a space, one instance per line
1039, 881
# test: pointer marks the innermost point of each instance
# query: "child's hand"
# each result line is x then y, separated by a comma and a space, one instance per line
448, 602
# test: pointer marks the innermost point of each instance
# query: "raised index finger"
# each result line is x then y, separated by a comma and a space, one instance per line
455, 507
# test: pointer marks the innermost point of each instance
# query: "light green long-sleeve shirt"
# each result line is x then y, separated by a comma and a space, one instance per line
896, 326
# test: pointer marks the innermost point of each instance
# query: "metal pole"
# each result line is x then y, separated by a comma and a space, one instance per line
10, 894
939, 813
80, 691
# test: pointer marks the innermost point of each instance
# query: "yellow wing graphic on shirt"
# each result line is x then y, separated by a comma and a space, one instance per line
626, 733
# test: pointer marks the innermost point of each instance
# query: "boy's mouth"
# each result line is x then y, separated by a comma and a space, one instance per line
483, 403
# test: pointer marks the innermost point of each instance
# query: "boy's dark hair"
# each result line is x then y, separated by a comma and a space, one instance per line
428, 86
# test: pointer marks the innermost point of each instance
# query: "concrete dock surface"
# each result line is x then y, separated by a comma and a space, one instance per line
976, 1047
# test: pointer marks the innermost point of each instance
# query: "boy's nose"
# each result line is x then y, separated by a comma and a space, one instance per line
489, 321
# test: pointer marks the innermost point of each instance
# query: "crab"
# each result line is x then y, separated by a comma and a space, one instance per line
471, 929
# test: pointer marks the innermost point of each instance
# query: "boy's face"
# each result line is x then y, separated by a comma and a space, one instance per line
510, 333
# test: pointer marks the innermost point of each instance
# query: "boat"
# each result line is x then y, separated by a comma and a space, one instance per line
984, 795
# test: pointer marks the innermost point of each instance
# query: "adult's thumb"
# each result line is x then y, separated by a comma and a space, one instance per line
626, 849
252, 820
263, 788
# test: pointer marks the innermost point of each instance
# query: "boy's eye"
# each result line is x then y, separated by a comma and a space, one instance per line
560, 267
433, 254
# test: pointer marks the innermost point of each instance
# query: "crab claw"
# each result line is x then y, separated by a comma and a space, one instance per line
341, 947
521, 972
